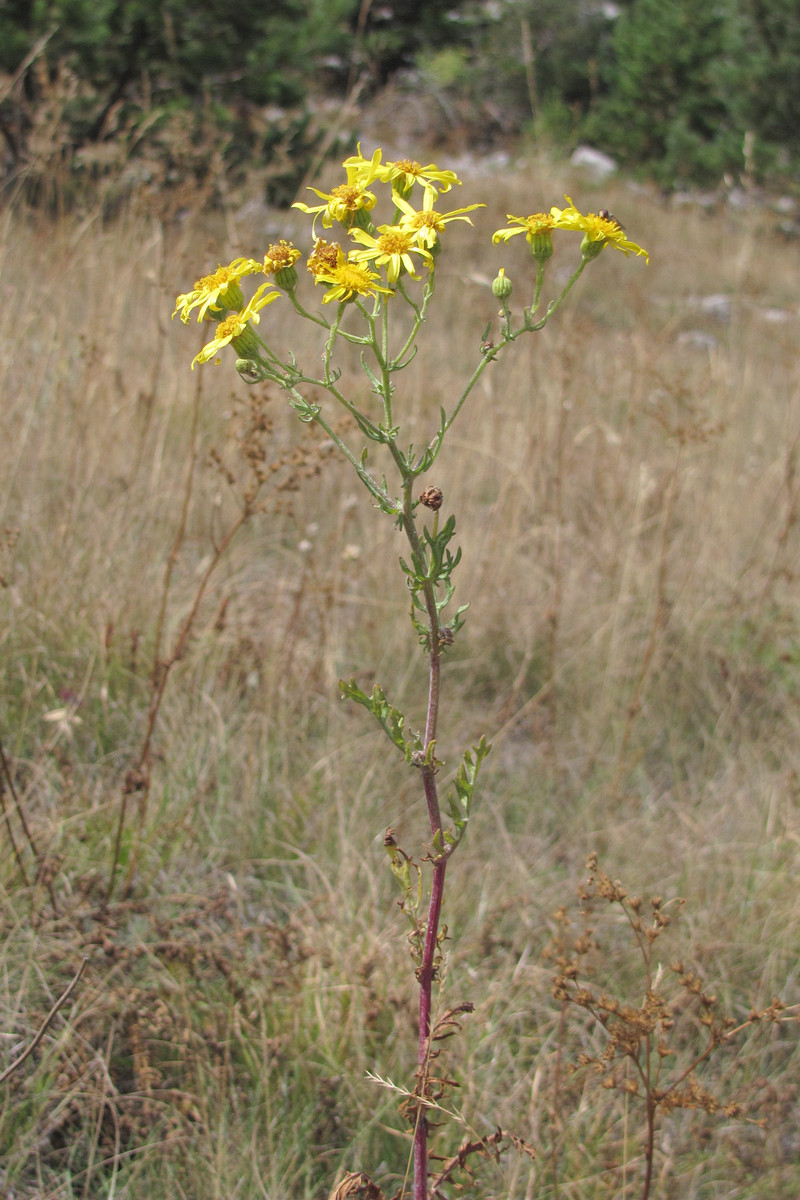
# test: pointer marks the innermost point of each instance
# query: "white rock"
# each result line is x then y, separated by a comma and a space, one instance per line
717, 305
696, 337
596, 164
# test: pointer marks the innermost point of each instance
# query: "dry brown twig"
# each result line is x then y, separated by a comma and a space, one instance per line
60, 1002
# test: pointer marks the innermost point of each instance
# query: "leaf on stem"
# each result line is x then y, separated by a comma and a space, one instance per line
390, 719
459, 802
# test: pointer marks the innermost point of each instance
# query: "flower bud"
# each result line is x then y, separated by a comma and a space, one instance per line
249, 370
502, 286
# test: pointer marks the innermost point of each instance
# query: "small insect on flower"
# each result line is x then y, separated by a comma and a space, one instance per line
607, 216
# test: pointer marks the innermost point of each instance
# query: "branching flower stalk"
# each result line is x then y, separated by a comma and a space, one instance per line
653, 1044
378, 283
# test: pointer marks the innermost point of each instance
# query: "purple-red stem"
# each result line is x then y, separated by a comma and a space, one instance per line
425, 989
427, 969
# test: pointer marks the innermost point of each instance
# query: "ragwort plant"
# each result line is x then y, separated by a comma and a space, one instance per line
376, 283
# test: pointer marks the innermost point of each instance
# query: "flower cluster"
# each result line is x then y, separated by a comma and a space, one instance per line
414, 231
380, 257
598, 229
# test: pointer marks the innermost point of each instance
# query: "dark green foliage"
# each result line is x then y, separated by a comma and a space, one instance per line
163, 79
667, 102
17, 22
768, 86
554, 46
685, 91
257, 53
688, 85
517, 63
175, 83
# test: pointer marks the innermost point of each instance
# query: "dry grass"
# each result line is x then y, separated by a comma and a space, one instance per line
627, 502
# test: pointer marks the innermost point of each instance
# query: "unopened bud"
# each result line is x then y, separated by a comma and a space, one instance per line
502, 287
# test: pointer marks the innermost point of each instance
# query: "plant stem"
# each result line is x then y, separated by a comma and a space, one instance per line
427, 969
650, 1147
426, 973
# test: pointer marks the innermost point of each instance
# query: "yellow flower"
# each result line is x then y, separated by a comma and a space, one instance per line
533, 226
343, 204
598, 229
364, 169
392, 248
408, 171
218, 291
324, 257
426, 224
280, 257
279, 262
235, 328
405, 171
348, 279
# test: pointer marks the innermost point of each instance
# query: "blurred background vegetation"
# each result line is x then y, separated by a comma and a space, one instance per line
157, 97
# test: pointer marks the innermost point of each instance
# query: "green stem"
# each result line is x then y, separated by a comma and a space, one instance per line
382, 358
315, 317
511, 335
419, 317
555, 304
387, 502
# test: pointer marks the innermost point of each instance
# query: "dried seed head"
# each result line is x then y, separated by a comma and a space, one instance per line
432, 497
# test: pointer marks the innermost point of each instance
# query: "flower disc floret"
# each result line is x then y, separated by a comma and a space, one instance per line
218, 291
340, 205
406, 172
235, 328
279, 263
392, 249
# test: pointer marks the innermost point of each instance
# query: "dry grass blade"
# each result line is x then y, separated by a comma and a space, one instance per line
60, 1002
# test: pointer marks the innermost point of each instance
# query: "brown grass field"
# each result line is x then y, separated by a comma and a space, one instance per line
627, 497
